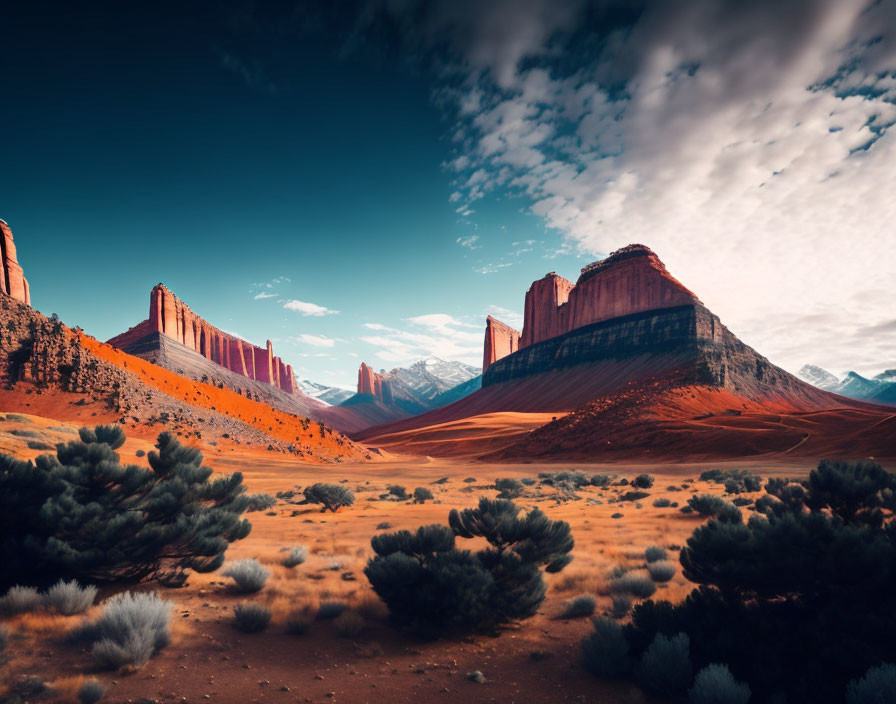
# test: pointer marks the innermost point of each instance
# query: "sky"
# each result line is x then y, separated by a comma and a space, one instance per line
368, 180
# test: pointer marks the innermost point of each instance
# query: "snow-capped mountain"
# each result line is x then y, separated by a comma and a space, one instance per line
880, 389
331, 395
432, 377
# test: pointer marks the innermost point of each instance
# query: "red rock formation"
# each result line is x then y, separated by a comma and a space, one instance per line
170, 316
370, 382
12, 279
631, 280
500, 341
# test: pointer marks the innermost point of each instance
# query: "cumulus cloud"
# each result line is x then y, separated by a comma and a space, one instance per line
314, 340
750, 144
306, 308
432, 335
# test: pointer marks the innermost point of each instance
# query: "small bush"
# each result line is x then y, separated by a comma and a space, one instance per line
132, 628
295, 557
508, 488
398, 491
642, 481
736, 481
249, 576
666, 667
714, 684
655, 554
298, 623
579, 607
662, 503
633, 496
601, 480
528, 481
385, 525
251, 617
422, 495
331, 496
69, 598
605, 652
876, 687
20, 600
637, 584
709, 505
741, 501
91, 691
260, 502
469, 480
349, 624
622, 604
661, 571
328, 610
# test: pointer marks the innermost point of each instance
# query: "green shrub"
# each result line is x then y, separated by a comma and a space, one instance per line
328, 610
715, 684
622, 604
661, 571
601, 480
422, 495
508, 488
295, 557
69, 598
605, 652
132, 628
642, 481
250, 617
249, 576
709, 505
662, 503
20, 600
736, 481
655, 554
666, 667
91, 691
331, 496
432, 588
579, 607
638, 585
80, 514
876, 687
398, 492
260, 502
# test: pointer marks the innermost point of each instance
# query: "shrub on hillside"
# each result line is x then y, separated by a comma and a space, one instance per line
69, 598
91, 691
295, 556
637, 584
132, 628
508, 488
328, 610
655, 554
432, 588
601, 480
20, 600
579, 607
736, 481
633, 496
259, 502
332, 497
642, 481
422, 495
80, 514
665, 667
621, 605
709, 505
661, 571
248, 575
662, 503
250, 617
715, 684
397, 492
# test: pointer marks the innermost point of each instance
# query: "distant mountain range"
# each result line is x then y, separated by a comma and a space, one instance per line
331, 395
881, 388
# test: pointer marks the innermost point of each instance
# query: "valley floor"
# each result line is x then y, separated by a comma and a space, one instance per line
537, 661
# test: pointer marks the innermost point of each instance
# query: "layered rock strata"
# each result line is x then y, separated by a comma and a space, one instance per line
172, 317
500, 341
12, 278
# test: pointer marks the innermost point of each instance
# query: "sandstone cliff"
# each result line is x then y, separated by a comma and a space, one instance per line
500, 341
631, 280
12, 278
172, 317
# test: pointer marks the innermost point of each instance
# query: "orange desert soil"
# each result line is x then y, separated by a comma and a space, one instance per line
536, 661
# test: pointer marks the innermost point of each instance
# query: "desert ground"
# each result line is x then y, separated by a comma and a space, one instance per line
209, 660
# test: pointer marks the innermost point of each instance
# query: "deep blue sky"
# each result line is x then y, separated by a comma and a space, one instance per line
218, 150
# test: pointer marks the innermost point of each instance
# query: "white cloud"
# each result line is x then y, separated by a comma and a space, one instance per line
748, 144
505, 315
260, 296
431, 335
308, 308
314, 340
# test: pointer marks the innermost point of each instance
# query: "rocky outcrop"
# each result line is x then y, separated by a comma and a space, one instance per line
172, 317
631, 280
12, 278
500, 341
375, 384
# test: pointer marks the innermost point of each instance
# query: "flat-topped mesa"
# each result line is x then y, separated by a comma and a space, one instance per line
631, 280
173, 318
500, 341
12, 278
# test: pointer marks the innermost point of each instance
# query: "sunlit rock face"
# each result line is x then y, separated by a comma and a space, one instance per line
12, 278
